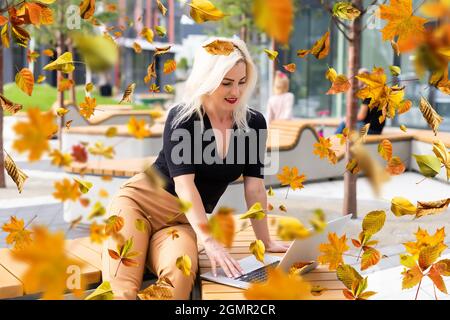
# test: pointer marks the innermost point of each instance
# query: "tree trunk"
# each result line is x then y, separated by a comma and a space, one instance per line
73, 94
59, 75
2, 164
354, 62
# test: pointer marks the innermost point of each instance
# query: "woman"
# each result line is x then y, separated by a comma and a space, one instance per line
281, 103
217, 92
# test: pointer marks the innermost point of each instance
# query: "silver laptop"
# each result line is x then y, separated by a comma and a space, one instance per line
305, 250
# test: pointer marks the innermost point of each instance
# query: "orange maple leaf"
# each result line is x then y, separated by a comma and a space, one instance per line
322, 148
87, 107
333, 251
18, 234
402, 23
290, 177
35, 133
65, 190
138, 128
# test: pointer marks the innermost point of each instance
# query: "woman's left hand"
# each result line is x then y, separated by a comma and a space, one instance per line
276, 246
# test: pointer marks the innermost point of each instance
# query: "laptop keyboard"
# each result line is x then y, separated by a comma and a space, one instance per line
258, 275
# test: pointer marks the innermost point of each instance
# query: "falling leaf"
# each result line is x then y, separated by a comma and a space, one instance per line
370, 257
289, 176
221, 226
8, 105
184, 264
79, 153
270, 192
15, 172
61, 112
332, 252
290, 67
137, 47
25, 80
84, 202
87, 9
403, 128
102, 193
321, 48
385, 149
97, 233
47, 263
127, 95
318, 221
431, 207
339, 84
160, 31
258, 249
429, 165
18, 235
395, 71
83, 185
87, 107
395, 166
318, 290
440, 150
111, 132
89, 87
60, 159
75, 222
352, 166
290, 228
355, 283
124, 255
102, 292
401, 206
373, 222
275, 18
98, 210
345, 10
65, 190
138, 128
322, 148
99, 149
402, 23
155, 292
65, 84
141, 225
173, 233
64, 63
203, 10
255, 212
40, 78
48, 52
219, 47
33, 135
168, 88
151, 72
147, 33
425, 240
161, 7
269, 207
431, 116
279, 286
169, 66
114, 224
271, 54
99, 53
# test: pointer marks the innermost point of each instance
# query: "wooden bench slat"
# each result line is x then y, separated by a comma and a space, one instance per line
10, 286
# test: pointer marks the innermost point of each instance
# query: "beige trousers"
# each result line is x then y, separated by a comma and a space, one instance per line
138, 199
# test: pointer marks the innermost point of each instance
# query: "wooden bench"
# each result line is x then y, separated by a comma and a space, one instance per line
240, 249
82, 249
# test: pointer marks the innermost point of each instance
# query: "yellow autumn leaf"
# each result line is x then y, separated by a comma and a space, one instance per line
370, 257
290, 228
203, 10
25, 81
87, 108
83, 185
97, 210
138, 128
65, 190
63, 63
258, 249
373, 222
87, 9
318, 221
219, 47
345, 10
275, 18
99, 149
279, 286
332, 252
147, 33
102, 292
431, 116
169, 66
18, 235
425, 208
33, 135
168, 88
271, 54
97, 233
60, 159
16, 174
114, 224
141, 225
111, 132
385, 149
99, 53
401, 206
160, 31
255, 212
47, 264
184, 264
440, 150
321, 47
127, 95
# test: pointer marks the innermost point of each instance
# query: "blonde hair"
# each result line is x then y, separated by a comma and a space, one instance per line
281, 83
206, 76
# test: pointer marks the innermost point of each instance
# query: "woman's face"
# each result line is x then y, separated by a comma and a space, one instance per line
229, 92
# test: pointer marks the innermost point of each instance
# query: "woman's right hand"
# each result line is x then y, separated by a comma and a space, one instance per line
219, 256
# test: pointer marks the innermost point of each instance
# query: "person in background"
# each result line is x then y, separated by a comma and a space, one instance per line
365, 115
280, 104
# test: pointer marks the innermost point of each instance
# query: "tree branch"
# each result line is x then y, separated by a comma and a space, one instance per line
8, 6
343, 32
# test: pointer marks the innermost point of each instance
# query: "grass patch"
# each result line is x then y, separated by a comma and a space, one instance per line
44, 96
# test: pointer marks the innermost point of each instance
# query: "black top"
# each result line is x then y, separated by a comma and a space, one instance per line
212, 174
373, 117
